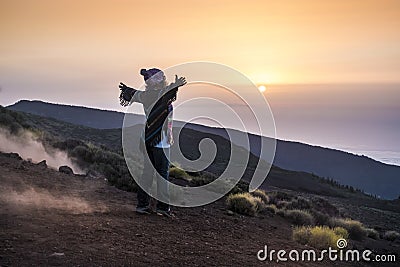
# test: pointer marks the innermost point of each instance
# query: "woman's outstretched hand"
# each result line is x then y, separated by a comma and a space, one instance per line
122, 86
179, 81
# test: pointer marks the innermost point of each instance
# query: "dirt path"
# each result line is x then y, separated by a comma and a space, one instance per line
49, 218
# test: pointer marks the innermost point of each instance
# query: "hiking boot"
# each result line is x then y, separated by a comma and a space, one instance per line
143, 210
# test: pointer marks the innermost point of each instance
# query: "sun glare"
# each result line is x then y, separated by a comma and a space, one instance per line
262, 88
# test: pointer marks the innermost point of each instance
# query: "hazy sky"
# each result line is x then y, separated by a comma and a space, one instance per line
76, 52
270, 41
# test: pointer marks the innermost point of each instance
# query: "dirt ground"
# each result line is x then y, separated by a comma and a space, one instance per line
50, 218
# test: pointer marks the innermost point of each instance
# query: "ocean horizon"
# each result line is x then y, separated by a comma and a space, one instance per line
384, 156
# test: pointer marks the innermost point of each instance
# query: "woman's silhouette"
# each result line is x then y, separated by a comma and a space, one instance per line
157, 137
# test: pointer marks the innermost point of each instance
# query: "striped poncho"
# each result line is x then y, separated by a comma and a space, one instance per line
158, 108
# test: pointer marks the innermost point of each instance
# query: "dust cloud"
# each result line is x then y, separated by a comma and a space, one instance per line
32, 197
28, 147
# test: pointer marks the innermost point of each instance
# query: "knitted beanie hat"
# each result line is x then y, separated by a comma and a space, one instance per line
147, 74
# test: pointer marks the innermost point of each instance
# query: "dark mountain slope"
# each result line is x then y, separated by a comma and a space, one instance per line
189, 141
361, 172
95, 118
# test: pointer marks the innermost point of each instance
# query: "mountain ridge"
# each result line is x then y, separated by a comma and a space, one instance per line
343, 167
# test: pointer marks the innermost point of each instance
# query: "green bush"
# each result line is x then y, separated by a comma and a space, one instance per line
299, 217
83, 154
261, 194
243, 203
179, 173
372, 233
69, 144
13, 121
320, 237
355, 228
89, 157
391, 235
107, 163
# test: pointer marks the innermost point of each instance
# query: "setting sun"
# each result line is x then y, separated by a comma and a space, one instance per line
262, 88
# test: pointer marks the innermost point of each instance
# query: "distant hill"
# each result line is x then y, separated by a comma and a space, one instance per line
358, 171
90, 117
373, 177
65, 135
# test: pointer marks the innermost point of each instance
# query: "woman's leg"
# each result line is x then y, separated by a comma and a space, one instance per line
161, 164
146, 180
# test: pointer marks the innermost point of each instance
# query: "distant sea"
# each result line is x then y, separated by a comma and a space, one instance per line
388, 157
362, 119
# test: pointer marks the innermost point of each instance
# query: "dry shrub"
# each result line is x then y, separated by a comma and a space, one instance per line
282, 204
391, 235
372, 233
260, 205
261, 194
299, 203
243, 203
280, 212
178, 173
271, 208
321, 218
276, 196
299, 217
320, 237
355, 228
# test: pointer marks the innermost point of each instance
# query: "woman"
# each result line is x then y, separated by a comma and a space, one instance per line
157, 137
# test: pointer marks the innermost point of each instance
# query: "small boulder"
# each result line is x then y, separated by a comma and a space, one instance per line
230, 213
65, 169
13, 155
42, 164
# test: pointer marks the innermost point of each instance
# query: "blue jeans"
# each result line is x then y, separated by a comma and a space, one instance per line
158, 162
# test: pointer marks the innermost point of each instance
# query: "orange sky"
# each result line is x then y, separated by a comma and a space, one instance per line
76, 52
304, 41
